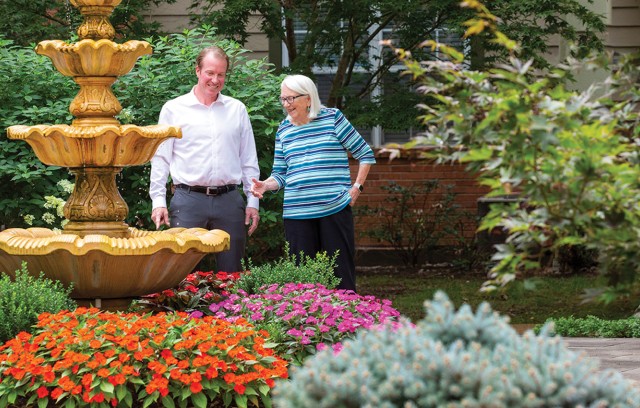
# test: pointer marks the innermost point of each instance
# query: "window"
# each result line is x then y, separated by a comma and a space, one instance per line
375, 53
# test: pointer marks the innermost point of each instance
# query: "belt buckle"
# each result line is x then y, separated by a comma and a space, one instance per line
212, 191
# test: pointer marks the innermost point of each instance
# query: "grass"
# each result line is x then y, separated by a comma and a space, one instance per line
552, 296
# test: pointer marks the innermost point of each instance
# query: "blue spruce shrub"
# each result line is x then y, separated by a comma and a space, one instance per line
454, 359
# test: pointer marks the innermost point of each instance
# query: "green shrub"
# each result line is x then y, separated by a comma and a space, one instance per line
414, 219
454, 359
592, 326
318, 269
25, 297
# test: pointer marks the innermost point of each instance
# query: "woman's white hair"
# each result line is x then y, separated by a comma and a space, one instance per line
304, 86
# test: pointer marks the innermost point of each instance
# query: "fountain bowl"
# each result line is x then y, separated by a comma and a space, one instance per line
103, 267
93, 58
93, 146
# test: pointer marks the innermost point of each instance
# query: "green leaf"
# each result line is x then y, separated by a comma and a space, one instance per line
199, 400
150, 400
168, 402
106, 387
240, 400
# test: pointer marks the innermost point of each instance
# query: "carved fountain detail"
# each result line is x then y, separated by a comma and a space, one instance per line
107, 261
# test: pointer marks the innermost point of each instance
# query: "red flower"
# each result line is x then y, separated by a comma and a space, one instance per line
42, 392
99, 397
117, 379
239, 388
49, 376
103, 372
195, 387
56, 393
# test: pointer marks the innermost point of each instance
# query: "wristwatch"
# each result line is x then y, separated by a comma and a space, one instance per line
358, 186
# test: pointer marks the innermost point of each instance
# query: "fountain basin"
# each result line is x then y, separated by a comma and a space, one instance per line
103, 267
93, 58
93, 146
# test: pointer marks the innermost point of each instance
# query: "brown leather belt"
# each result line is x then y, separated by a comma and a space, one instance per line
210, 191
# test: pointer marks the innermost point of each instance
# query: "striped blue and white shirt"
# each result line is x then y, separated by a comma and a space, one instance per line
311, 162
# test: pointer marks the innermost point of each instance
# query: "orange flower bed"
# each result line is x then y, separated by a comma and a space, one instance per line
92, 358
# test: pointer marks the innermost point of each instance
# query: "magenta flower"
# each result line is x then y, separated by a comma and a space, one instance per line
308, 314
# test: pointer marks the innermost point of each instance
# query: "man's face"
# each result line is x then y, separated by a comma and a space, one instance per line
211, 75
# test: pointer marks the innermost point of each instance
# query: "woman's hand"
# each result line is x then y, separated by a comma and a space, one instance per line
258, 188
354, 192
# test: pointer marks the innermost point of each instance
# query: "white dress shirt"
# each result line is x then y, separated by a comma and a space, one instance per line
217, 147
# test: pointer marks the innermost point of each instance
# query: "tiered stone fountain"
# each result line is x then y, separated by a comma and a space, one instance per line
105, 260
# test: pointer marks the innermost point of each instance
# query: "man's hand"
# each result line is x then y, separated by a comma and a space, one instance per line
160, 216
251, 219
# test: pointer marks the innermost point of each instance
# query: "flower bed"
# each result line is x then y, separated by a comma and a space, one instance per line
93, 358
198, 345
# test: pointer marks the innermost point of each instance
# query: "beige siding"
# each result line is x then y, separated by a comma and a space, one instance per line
175, 18
623, 34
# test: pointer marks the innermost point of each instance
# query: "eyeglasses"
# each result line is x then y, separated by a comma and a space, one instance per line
290, 99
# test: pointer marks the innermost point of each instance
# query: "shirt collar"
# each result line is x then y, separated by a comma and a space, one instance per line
193, 100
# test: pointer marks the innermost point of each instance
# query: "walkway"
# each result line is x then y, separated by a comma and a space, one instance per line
619, 354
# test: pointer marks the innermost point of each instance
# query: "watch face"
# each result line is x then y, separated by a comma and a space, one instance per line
359, 186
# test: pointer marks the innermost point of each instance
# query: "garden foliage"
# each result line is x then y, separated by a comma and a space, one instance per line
592, 326
23, 298
455, 359
35, 93
289, 268
572, 156
195, 293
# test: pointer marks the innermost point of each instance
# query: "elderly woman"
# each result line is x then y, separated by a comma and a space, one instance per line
311, 164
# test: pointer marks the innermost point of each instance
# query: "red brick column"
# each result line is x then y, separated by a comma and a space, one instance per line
407, 170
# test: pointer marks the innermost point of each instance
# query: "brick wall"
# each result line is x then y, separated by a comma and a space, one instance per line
407, 170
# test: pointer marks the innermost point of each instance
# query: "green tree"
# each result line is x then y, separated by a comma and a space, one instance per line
340, 34
31, 21
572, 156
